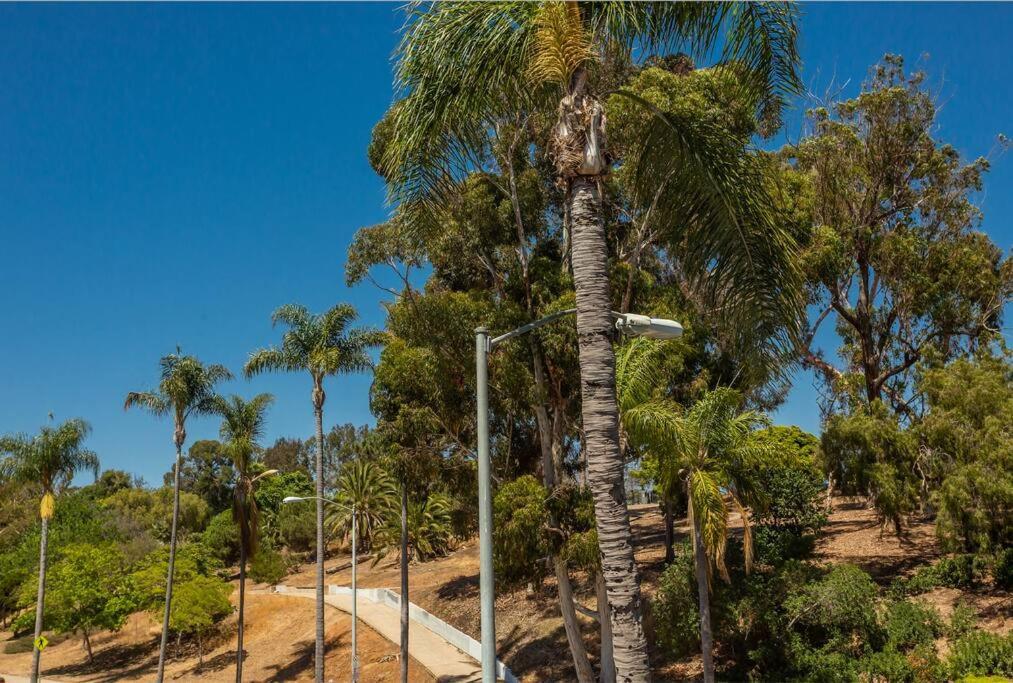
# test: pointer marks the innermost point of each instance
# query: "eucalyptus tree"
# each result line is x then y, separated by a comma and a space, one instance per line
712, 449
465, 66
186, 389
322, 345
49, 460
242, 425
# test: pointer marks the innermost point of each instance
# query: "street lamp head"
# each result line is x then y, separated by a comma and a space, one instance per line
645, 326
292, 499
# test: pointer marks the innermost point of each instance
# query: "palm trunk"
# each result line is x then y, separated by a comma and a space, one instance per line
601, 430
404, 583
703, 591
172, 562
40, 599
318, 665
242, 610
608, 664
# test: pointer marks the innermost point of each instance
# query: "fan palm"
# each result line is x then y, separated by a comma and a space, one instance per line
712, 449
463, 67
366, 488
242, 424
322, 345
186, 388
49, 460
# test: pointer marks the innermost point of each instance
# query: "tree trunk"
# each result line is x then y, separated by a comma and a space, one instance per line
404, 583
608, 664
580, 661
87, 647
601, 430
669, 532
40, 599
703, 591
318, 664
242, 611
172, 561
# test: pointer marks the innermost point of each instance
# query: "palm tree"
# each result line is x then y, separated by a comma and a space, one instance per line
712, 450
464, 67
366, 488
186, 388
322, 345
242, 424
49, 460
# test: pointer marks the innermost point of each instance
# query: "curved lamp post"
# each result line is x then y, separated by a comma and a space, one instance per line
355, 565
628, 323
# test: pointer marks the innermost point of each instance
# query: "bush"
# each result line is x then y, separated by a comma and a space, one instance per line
297, 527
268, 566
774, 546
1002, 571
221, 538
674, 606
981, 654
520, 517
958, 571
910, 624
887, 665
962, 620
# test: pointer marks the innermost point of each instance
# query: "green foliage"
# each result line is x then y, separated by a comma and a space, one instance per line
520, 517
297, 527
152, 510
981, 654
365, 486
429, 529
910, 624
838, 612
207, 473
1002, 570
268, 566
221, 538
674, 606
962, 620
199, 602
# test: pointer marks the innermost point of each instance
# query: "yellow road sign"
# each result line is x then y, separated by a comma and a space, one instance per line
41, 643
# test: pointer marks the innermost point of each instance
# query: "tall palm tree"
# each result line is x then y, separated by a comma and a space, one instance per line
712, 451
242, 424
322, 345
464, 67
49, 460
186, 388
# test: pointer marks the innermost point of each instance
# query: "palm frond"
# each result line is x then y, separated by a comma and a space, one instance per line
265, 360
710, 510
293, 315
560, 44
155, 403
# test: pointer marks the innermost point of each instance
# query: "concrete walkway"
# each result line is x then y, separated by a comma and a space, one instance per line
443, 660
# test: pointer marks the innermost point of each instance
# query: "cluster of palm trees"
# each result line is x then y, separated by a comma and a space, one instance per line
322, 345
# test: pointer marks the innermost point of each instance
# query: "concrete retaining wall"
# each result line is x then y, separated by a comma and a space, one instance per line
421, 617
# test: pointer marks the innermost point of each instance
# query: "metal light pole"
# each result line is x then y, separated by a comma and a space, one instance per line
355, 566
629, 323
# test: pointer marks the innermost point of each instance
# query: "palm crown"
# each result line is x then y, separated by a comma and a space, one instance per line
187, 387
50, 459
321, 343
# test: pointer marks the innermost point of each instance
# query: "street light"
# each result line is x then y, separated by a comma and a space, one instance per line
627, 323
355, 566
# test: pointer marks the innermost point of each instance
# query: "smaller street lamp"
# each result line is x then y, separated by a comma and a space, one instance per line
355, 566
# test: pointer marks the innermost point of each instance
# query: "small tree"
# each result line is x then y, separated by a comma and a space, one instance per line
200, 603
87, 591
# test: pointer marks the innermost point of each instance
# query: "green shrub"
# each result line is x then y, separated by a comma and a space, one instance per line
520, 517
909, 624
297, 527
887, 665
268, 566
776, 545
1002, 570
221, 538
838, 610
957, 571
674, 607
962, 620
981, 654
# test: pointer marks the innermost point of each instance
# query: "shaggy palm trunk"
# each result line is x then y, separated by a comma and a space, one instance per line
703, 591
40, 599
608, 664
242, 609
404, 583
318, 664
172, 560
601, 429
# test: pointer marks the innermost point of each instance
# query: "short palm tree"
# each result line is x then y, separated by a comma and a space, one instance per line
242, 425
49, 460
322, 345
465, 67
186, 389
712, 451
365, 487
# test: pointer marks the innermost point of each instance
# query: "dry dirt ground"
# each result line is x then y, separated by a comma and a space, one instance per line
530, 633
279, 642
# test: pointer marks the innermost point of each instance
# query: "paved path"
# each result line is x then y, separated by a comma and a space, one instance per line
441, 658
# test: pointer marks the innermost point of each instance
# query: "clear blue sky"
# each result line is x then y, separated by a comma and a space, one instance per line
169, 174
